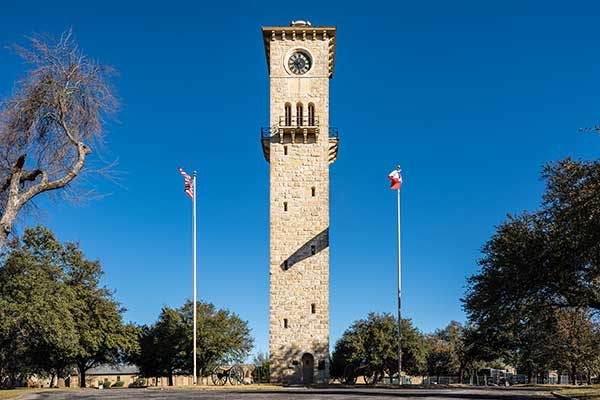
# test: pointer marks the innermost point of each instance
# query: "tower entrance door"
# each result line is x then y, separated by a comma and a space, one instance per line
308, 368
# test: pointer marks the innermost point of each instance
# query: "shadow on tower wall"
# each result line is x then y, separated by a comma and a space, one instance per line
308, 249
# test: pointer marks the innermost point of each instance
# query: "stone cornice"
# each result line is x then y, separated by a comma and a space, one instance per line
300, 33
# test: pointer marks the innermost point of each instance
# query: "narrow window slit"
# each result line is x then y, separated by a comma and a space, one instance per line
288, 114
299, 114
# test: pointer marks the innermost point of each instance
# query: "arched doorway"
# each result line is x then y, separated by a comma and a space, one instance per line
308, 368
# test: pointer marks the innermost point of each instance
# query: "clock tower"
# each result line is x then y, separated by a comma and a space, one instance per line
299, 145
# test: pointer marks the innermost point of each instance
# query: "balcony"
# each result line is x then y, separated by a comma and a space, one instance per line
310, 123
298, 134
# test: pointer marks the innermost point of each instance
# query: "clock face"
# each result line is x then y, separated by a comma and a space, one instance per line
299, 63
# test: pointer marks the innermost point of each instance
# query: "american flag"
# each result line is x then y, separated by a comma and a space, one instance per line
188, 189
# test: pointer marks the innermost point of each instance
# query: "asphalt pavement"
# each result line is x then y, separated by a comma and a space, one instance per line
300, 393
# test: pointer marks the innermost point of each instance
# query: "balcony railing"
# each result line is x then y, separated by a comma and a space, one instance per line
267, 132
295, 121
275, 134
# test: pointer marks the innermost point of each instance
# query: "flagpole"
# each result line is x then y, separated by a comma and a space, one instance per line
399, 295
194, 273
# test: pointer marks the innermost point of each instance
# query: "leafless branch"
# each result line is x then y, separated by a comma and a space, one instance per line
50, 125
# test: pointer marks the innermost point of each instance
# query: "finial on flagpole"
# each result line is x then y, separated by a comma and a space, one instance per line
398, 167
194, 172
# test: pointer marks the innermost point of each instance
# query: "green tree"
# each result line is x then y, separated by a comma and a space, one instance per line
577, 340
167, 346
171, 343
222, 336
102, 335
536, 266
49, 126
261, 371
146, 356
56, 313
38, 333
571, 206
374, 341
444, 351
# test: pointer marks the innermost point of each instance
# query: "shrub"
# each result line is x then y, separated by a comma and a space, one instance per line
139, 382
118, 384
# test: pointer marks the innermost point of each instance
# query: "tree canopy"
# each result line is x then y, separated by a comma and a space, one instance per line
374, 341
53, 311
166, 346
539, 269
445, 355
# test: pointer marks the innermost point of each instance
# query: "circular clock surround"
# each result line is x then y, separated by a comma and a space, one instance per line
299, 62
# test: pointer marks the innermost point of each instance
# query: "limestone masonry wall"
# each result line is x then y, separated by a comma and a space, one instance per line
299, 220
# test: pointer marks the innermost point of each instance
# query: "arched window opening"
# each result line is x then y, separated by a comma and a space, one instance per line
299, 114
311, 114
288, 114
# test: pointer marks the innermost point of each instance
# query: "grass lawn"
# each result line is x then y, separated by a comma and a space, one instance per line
585, 393
14, 393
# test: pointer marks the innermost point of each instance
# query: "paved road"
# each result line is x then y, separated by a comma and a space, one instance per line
300, 394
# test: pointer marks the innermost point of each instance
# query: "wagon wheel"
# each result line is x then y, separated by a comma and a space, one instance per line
349, 375
219, 376
236, 375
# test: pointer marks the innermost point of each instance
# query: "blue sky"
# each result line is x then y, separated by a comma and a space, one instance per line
470, 97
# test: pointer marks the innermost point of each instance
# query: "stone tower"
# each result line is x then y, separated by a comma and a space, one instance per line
299, 144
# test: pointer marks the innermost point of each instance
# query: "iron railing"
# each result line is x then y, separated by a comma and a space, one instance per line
297, 122
267, 132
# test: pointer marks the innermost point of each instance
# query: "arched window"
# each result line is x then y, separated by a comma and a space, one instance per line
311, 114
299, 113
288, 114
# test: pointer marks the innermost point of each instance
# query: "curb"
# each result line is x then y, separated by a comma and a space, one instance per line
562, 396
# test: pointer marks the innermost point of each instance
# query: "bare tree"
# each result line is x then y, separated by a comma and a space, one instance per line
49, 126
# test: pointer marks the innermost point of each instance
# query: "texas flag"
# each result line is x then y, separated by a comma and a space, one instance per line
396, 179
